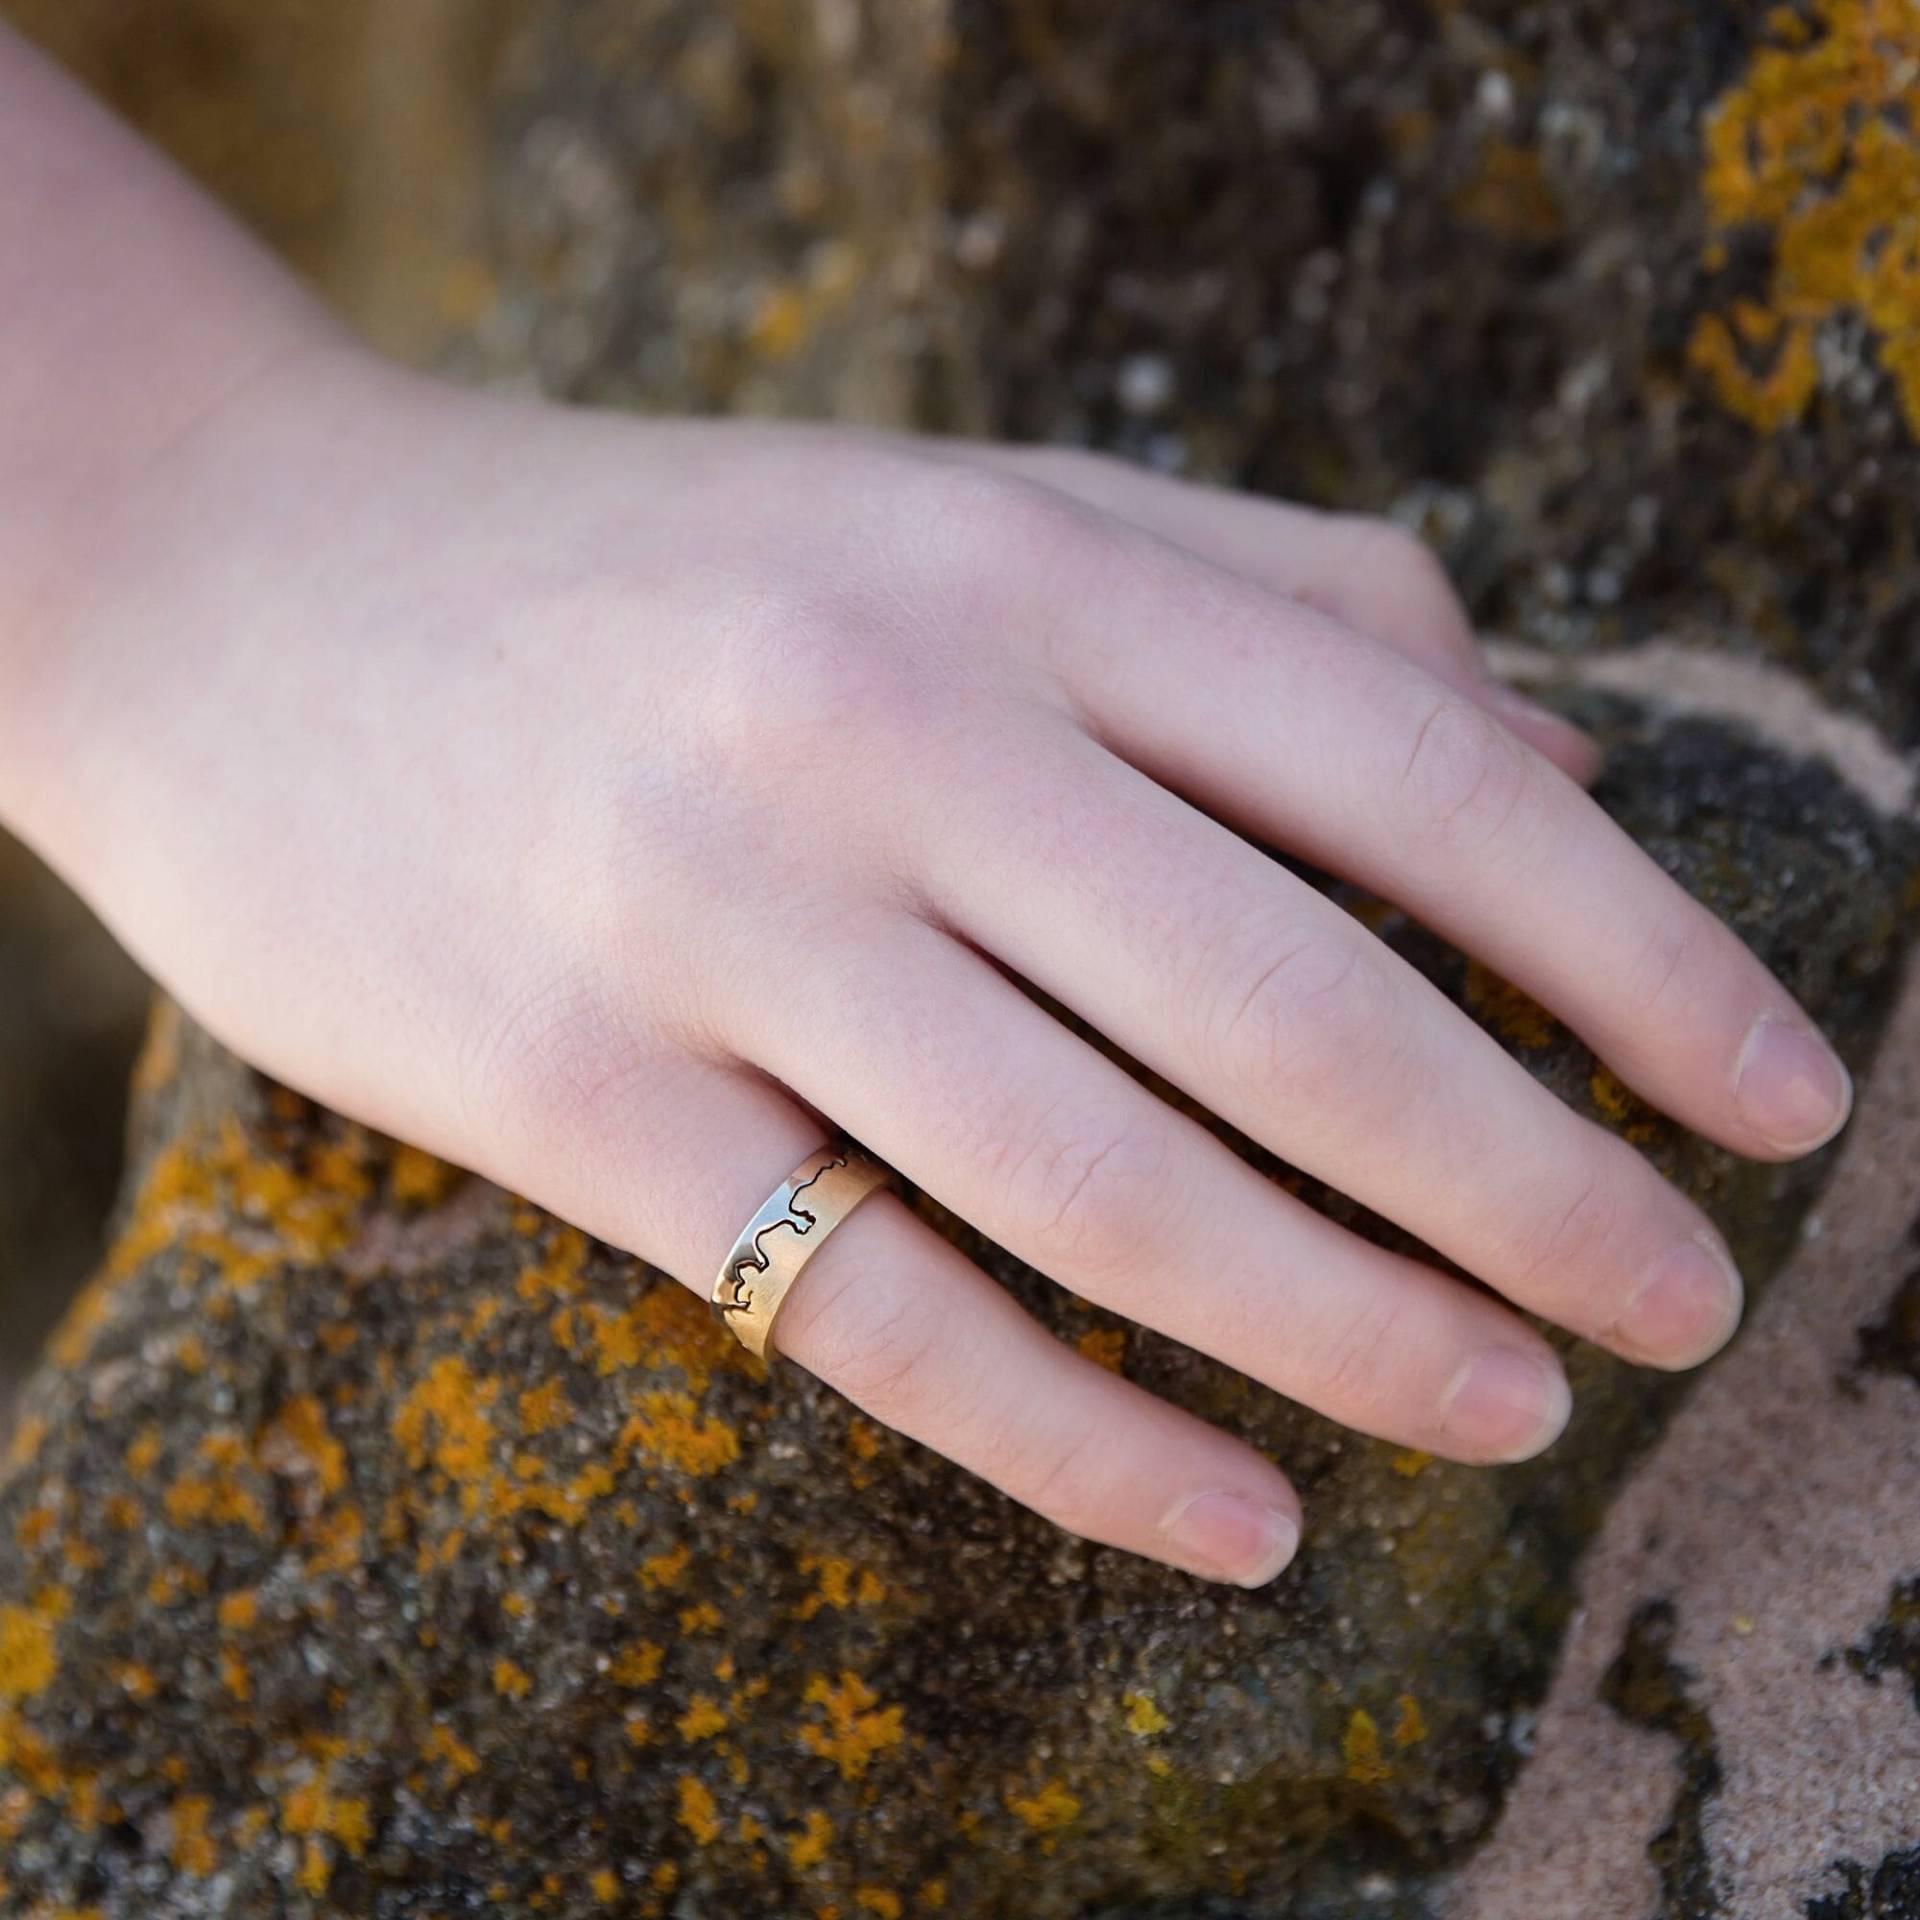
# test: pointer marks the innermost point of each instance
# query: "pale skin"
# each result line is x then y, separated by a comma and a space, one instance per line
617, 807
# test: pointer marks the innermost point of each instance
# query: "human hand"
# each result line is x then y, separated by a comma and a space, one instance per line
617, 807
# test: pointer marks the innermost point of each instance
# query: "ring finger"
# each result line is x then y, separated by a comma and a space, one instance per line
934, 1059
894, 1317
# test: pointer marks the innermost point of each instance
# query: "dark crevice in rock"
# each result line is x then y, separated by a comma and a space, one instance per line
1891, 1344
1647, 1688
1890, 1892
1893, 1647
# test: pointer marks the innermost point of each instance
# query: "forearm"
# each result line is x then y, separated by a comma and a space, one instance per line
131, 310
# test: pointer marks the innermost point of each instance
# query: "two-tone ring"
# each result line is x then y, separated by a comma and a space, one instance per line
776, 1244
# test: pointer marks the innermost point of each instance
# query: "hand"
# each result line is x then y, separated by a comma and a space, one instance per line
579, 796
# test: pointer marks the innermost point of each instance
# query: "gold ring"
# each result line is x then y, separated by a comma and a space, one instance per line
784, 1235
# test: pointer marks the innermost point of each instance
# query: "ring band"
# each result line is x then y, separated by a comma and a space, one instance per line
784, 1235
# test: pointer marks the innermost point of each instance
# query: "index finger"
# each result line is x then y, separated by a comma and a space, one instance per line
1338, 749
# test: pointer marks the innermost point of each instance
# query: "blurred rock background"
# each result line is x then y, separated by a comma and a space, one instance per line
70, 1010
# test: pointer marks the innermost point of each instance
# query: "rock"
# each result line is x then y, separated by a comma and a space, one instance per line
1733, 1726
375, 1545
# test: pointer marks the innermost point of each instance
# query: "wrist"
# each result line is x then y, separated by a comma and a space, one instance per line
104, 634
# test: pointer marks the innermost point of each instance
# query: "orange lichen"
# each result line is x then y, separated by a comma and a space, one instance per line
334, 1537
702, 1617
143, 1452
1818, 146
316, 1871
840, 1586
510, 1681
702, 1719
670, 1428
28, 1656
215, 1494
24, 1754
617, 1338
604, 1886
446, 1746
1052, 1807
136, 1681
445, 1417
1411, 1727
418, 1179
933, 1895
235, 1677
1622, 1108
544, 1407
555, 1275
1506, 1011
854, 1727
1411, 1462
878, 1900
216, 1195
193, 1850
808, 1847
1770, 390
23, 1446
1144, 1719
1360, 1749
637, 1665
297, 1442
238, 1611
698, 1811
1105, 1347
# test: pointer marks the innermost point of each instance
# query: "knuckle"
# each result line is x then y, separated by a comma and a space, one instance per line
1357, 1370
973, 530
1088, 1195
1312, 1017
1064, 1482
1464, 777
801, 675
1662, 965
1567, 1240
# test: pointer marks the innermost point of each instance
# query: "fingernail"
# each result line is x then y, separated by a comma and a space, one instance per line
1792, 1089
1687, 1308
1505, 1405
1226, 1536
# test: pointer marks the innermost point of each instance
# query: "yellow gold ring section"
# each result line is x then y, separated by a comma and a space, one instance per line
784, 1235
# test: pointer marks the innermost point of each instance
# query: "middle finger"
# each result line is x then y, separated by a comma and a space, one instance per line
1210, 963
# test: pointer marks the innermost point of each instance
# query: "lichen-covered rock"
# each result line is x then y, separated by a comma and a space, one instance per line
375, 1543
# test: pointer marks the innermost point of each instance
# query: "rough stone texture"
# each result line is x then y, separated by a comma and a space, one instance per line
376, 1546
